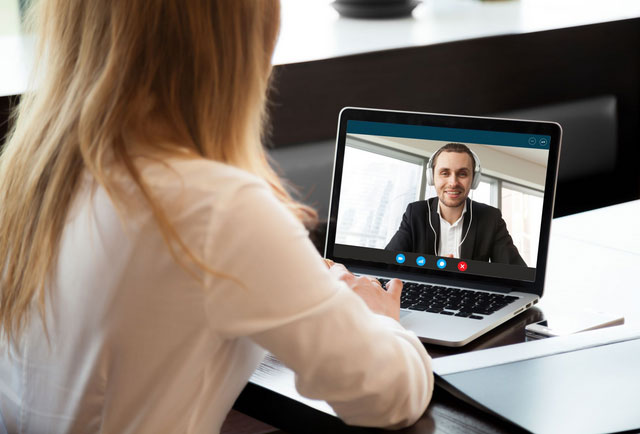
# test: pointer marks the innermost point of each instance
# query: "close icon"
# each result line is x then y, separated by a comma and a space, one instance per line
462, 266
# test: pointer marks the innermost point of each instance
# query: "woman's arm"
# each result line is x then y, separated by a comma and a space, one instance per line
370, 369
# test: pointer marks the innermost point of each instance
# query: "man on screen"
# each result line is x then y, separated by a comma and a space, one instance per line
452, 225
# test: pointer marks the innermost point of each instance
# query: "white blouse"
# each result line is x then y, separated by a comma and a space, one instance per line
137, 344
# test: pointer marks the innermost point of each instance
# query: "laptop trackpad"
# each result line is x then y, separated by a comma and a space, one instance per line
404, 313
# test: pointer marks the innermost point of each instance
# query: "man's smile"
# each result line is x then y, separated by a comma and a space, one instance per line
453, 193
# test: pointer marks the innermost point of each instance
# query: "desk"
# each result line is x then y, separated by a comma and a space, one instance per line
311, 30
593, 263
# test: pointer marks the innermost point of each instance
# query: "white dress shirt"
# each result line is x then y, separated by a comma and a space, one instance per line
450, 235
137, 344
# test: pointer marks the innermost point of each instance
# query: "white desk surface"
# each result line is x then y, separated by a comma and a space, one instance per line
313, 30
614, 227
16, 53
596, 255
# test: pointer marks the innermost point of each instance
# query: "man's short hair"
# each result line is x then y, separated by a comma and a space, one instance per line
454, 147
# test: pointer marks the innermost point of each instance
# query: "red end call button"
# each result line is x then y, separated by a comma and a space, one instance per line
462, 266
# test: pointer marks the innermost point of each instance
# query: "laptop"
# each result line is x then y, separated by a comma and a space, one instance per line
467, 231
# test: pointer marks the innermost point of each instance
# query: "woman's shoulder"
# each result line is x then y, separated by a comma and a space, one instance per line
198, 175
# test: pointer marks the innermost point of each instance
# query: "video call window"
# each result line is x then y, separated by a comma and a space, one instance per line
382, 175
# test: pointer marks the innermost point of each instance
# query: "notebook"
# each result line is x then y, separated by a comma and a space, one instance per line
457, 207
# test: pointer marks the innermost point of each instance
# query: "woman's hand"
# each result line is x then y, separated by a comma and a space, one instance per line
369, 288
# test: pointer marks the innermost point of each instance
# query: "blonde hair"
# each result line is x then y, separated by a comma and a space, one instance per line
110, 74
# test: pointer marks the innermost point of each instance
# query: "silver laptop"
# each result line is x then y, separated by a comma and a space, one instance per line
459, 208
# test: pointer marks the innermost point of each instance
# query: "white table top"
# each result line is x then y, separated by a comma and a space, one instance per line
612, 228
313, 30
594, 262
16, 53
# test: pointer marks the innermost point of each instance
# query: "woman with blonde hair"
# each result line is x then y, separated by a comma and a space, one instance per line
149, 253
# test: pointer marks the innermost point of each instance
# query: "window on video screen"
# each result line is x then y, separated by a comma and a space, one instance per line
387, 202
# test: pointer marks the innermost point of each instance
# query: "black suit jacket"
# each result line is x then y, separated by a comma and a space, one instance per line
488, 238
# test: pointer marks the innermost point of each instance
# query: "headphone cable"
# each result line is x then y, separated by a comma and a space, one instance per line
435, 250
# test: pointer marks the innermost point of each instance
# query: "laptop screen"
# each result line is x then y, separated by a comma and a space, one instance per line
443, 195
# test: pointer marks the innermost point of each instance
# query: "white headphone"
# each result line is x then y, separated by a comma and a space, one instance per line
477, 169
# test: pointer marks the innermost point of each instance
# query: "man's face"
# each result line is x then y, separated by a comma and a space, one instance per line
452, 176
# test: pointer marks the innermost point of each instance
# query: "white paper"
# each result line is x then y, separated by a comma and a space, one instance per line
273, 375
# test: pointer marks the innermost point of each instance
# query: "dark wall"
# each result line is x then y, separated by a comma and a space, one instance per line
6, 104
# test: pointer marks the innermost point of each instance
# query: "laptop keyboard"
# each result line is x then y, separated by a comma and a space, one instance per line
451, 301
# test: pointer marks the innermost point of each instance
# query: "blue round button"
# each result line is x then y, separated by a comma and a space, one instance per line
441, 263
421, 261
400, 258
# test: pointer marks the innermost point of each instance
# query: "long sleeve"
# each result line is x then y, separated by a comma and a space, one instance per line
402, 239
279, 293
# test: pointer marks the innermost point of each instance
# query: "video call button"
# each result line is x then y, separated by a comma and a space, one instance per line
462, 266
400, 258
543, 142
441, 263
421, 261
